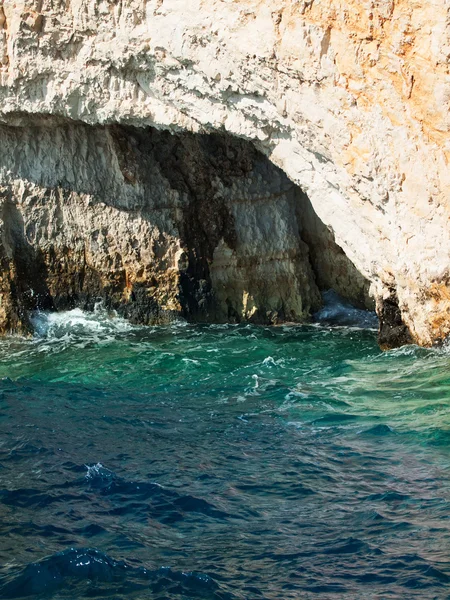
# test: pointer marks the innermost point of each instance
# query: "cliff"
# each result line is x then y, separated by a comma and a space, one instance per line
328, 163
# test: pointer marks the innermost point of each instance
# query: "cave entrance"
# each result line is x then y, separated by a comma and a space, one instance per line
158, 225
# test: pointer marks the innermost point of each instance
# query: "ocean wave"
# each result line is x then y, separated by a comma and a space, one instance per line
59, 324
337, 311
89, 566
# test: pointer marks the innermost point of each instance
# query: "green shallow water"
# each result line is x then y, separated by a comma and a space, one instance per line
221, 462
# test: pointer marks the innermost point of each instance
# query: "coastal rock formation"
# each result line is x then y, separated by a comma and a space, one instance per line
348, 100
151, 224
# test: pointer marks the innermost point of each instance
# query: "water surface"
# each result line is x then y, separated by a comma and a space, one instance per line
222, 462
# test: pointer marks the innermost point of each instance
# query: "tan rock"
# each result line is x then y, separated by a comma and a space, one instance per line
2, 18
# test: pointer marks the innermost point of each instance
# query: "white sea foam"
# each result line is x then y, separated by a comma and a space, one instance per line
191, 361
94, 470
272, 362
58, 324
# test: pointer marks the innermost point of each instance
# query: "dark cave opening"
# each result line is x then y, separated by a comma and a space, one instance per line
158, 225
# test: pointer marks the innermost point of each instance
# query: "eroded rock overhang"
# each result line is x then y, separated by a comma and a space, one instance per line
348, 100
157, 225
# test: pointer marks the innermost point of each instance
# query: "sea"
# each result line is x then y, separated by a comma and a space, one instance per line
222, 461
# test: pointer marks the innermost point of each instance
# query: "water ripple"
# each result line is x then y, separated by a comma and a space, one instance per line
221, 462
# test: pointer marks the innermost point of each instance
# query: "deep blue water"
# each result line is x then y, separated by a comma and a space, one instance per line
221, 462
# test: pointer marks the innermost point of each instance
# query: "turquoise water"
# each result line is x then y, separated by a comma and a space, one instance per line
194, 461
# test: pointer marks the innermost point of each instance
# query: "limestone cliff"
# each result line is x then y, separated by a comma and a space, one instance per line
348, 99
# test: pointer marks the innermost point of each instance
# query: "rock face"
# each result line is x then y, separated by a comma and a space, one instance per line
151, 224
348, 99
